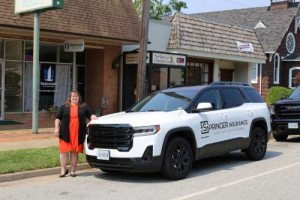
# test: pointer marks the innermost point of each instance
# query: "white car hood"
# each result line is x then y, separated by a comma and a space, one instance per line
137, 118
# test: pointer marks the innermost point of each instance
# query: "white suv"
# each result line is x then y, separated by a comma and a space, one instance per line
168, 130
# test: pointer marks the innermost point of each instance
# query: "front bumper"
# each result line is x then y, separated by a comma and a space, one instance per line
280, 127
127, 164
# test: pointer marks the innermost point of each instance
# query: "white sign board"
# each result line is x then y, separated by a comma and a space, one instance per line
23, 6
168, 59
74, 45
243, 46
132, 58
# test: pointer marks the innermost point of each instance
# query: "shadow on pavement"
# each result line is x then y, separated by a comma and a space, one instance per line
200, 168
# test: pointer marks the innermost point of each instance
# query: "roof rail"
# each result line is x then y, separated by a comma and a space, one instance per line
229, 83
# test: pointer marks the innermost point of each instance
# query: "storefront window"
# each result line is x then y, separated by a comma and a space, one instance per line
1, 48
176, 77
13, 87
65, 57
28, 51
48, 52
14, 50
81, 57
198, 72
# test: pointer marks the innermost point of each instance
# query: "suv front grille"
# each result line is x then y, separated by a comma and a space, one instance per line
287, 111
111, 136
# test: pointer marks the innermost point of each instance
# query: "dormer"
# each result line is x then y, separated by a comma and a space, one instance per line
281, 4
260, 24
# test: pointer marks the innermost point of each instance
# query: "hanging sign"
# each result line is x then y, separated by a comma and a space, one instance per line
133, 58
169, 59
243, 46
26, 6
74, 45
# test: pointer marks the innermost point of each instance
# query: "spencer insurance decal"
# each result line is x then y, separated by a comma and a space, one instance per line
207, 127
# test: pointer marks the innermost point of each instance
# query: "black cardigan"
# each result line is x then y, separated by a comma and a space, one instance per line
64, 117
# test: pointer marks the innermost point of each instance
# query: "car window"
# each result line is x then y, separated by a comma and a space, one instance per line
254, 95
232, 97
211, 96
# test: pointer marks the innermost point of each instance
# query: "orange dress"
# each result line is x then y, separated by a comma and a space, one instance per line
73, 132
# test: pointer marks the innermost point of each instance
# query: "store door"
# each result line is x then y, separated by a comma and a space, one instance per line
129, 86
1, 90
226, 75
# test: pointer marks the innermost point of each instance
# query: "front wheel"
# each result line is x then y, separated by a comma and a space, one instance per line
258, 144
178, 159
280, 138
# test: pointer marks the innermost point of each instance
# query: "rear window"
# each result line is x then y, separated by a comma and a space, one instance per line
254, 96
232, 97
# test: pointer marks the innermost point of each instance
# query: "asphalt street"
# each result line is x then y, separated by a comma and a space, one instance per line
226, 177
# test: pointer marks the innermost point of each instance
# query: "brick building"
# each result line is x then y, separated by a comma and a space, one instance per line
277, 29
96, 23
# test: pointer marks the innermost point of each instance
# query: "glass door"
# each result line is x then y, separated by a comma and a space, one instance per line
1, 90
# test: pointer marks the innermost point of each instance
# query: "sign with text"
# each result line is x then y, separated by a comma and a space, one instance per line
74, 45
26, 6
243, 46
133, 58
169, 59
47, 78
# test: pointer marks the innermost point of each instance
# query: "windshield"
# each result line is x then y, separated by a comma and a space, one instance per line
295, 94
165, 101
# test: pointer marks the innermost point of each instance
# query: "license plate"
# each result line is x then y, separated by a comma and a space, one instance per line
293, 125
103, 155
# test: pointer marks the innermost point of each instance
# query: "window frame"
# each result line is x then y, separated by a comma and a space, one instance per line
256, 73
290, 76
276, 69
290, 35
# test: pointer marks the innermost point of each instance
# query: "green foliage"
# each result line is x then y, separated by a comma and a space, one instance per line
275, 94
30, 159
158, 10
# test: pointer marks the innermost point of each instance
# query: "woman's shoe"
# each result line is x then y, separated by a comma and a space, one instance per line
63, 175
73, 174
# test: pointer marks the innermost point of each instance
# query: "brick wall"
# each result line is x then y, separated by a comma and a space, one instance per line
102, 80
27, 116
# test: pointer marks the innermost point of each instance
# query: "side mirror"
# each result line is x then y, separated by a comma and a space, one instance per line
202, 107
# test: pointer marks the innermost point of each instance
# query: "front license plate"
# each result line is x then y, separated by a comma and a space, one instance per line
293, 125
103, 155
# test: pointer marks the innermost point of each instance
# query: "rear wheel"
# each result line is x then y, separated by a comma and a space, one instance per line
178, 159
258, 144
280, 137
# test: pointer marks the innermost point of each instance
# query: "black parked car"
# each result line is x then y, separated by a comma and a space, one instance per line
286, 116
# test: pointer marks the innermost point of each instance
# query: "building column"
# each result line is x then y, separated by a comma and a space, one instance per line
216, 72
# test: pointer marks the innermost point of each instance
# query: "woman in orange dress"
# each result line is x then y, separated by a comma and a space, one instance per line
70, 127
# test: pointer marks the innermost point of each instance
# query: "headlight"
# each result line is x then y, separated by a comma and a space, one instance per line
272, 109
145, 130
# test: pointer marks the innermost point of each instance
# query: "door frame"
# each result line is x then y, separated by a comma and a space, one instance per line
2, 86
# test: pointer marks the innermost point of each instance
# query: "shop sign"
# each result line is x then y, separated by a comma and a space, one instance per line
133, 58
25, 6
74, 45
243, 46
47, 78
169, 59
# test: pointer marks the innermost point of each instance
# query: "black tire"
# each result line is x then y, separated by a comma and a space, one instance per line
258, 144
280, 138
178, 159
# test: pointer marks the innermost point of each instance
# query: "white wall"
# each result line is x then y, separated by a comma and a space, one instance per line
159, 34
242, 72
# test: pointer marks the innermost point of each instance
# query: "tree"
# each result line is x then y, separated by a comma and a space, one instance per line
158, 10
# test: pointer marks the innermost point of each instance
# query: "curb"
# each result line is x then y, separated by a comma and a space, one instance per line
36, 173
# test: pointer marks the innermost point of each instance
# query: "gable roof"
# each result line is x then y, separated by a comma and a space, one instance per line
191, 33
276, 21
113, 19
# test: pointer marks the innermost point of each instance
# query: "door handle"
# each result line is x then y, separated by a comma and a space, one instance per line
249, 113
223, 116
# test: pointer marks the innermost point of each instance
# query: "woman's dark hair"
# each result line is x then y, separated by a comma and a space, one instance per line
80, 103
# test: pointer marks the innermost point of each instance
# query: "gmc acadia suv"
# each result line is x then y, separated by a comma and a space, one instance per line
170, 129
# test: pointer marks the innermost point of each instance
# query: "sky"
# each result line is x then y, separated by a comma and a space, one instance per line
196, 6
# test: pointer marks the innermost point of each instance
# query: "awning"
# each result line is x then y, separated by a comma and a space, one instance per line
291, 58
